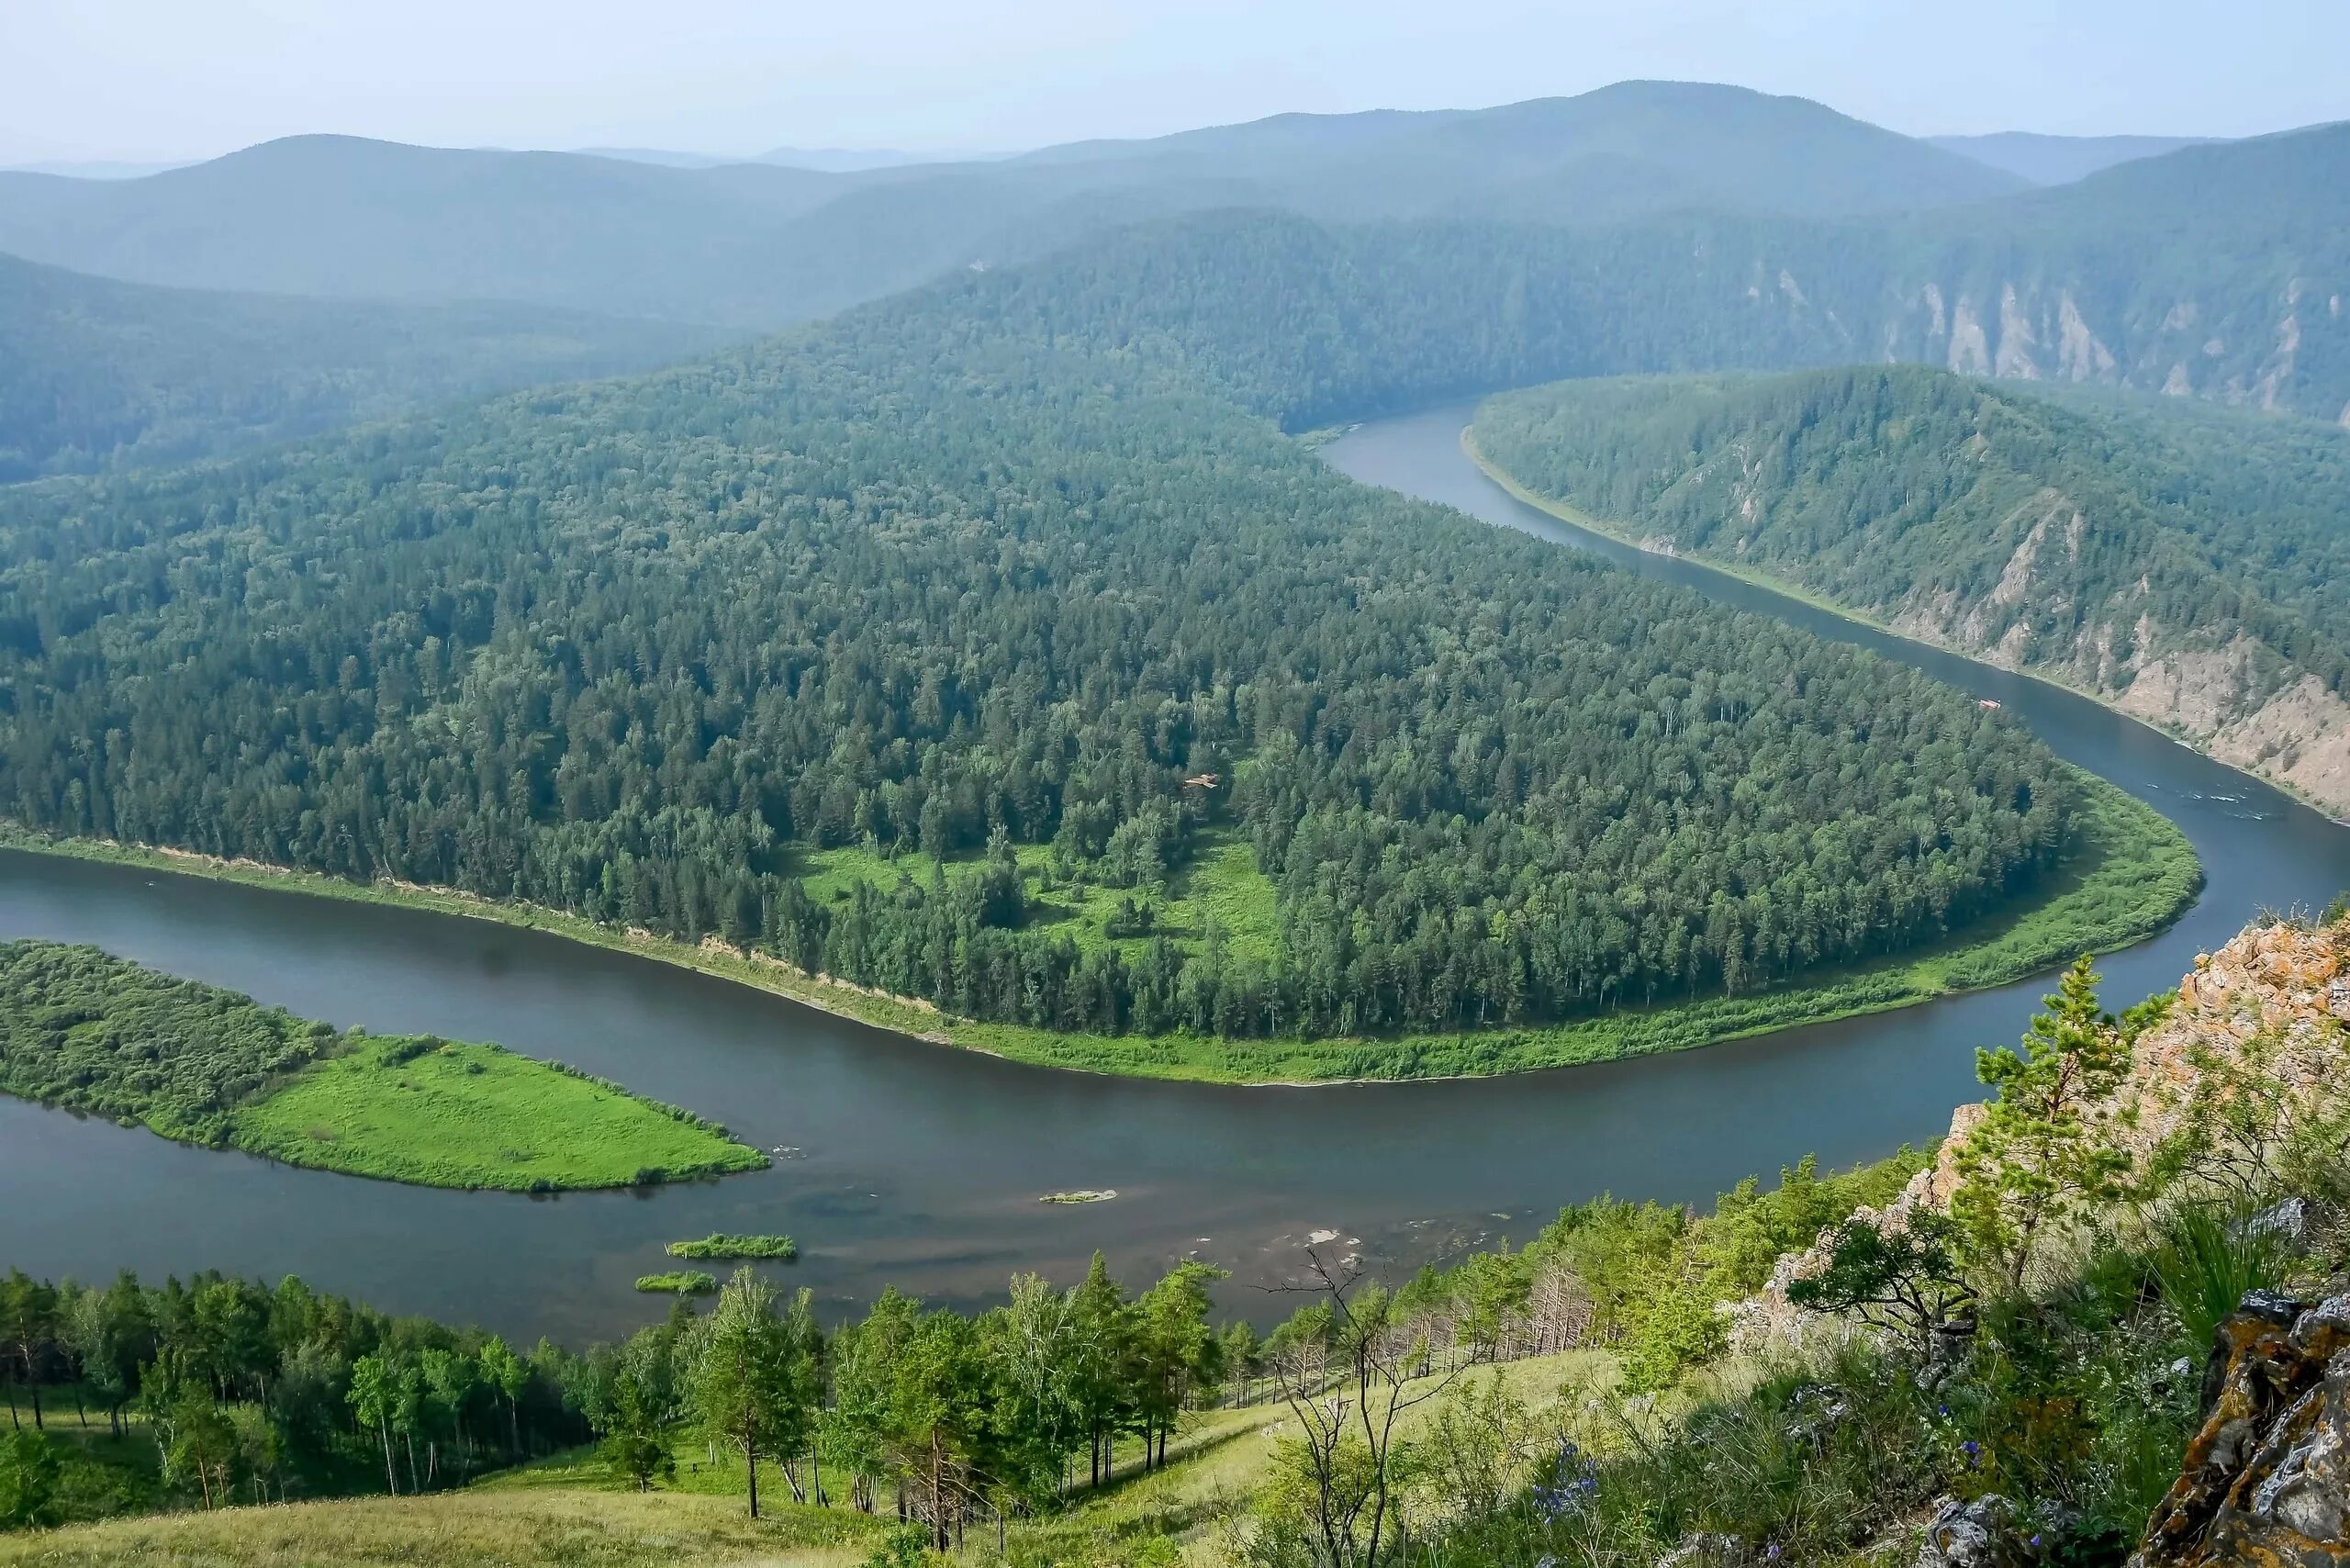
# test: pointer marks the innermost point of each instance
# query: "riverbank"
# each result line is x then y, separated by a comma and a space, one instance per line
2131, 874
1785, 587
97, 1035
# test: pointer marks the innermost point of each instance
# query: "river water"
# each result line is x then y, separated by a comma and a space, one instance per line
922, 1167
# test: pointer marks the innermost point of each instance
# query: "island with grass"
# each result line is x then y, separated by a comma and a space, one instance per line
773, 1248
681, 1281
87, 1031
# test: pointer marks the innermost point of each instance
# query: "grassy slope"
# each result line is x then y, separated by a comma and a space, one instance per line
570, 1511
470, 1116
461, 1529
2132, 874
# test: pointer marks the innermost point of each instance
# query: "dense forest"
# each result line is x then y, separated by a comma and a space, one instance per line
103, 375
976, 570
2132, 546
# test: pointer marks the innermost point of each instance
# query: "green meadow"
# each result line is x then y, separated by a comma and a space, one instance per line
474, 1115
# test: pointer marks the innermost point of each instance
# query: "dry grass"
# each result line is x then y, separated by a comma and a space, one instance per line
461, 1529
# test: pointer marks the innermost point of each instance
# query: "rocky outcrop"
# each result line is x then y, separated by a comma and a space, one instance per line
2266, 1480
2279, 987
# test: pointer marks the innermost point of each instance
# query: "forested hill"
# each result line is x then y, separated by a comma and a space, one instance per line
96, 374
2190, 565
936, 579
2222, 272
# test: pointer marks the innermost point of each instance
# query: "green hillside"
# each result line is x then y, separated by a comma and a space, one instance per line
2187, 563
101, 374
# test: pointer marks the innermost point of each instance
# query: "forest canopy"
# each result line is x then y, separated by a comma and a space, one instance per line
985, 566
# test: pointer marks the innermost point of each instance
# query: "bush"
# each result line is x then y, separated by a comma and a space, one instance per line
28, 1470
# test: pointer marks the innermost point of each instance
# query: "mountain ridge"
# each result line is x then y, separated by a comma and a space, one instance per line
2177, 563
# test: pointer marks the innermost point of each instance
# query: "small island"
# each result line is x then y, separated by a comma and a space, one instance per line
1082, 1195
685, 1282
779, 1248
90, 1032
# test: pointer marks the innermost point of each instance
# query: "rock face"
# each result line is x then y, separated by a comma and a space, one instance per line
2267, 1478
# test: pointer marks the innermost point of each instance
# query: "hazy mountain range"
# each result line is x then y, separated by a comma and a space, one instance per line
1740, 228
760, 245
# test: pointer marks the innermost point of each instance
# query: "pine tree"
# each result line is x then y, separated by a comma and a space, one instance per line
2044, 1149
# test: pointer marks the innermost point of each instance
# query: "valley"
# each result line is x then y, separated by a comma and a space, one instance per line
929, 1178
1133, 852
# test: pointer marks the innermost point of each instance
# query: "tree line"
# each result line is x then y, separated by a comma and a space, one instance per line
951, 1419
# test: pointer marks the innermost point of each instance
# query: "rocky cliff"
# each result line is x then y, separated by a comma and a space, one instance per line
2267, 1479
2275, 1000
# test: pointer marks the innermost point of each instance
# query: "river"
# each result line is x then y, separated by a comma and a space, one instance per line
922, 1167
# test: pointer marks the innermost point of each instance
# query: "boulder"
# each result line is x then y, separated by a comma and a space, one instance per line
2267, 1479
1980, 1534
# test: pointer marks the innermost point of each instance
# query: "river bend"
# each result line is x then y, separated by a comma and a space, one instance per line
922, 1167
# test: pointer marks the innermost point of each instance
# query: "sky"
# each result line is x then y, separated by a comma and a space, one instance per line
183, 79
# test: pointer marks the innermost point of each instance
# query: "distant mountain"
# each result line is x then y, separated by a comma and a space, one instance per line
2218, 273
96, 169
760, 245
857, 159
1632, 150
2189, 564
660, 158
99, 375
2060, 159
825, 159
337, 215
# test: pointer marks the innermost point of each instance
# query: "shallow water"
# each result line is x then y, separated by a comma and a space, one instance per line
922, 1167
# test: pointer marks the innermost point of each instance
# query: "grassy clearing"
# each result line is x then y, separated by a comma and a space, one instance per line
515, 1527
2130, 875
777, 1247
1218, 884
449, 1114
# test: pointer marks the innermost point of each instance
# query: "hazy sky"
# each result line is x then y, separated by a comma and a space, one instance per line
140, 78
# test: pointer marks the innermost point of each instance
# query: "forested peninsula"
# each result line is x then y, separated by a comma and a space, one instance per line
2186, 565
1022, 607
95, 1033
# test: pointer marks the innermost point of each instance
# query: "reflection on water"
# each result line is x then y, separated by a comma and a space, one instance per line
923, 1167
